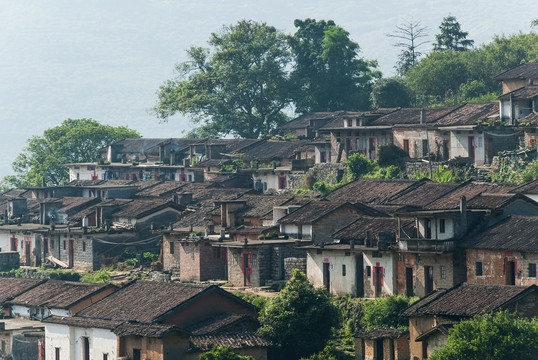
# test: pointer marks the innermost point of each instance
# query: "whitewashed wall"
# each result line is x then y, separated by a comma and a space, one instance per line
69, 340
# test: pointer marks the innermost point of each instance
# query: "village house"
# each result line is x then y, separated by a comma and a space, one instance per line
150, 320
306, 126
432, 316
382, 344
54, 297
359, 262
505, 253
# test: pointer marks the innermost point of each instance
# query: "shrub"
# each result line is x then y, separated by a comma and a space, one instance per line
385, 312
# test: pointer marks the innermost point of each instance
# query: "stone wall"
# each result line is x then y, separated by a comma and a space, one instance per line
292, 263
9, 260
331, 173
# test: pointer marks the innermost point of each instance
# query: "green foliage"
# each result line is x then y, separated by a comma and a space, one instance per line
324, 188
384, 312
442, 174
223, 353
358, 166
388, 172
328, 74
256, 300
100, 276
391, 155
451, 36
240, 86
130, 257
499, 335
530, 172
299, 320
330, 352
390, 93
58, 274
350, 315
75, 140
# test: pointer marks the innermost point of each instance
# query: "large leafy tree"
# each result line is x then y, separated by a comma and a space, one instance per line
328, 74
239, 86
500, 335
75, 140
390, 93
299, 319
451, 37
223, 353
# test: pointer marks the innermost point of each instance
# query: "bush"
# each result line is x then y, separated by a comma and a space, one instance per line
100, 276
385, 313
223, 353
358, 166
388, 155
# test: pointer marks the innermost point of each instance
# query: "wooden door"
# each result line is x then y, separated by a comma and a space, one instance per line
409, 281
471, 148
406, 146
71, 253
327, 276
378, 276
428, 279
359, 275
14, 243
246, 269
379, 349
28, 252
510, 272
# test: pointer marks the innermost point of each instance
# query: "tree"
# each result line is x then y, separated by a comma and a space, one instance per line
384, 312
240, 86
409, 35
451, 36
299, 319
499, 335
75, 140
223, 353
328, 74
390, 93
358, 166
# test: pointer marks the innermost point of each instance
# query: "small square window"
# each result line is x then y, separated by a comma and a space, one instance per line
343, 270
443, 272
172, 249
84, 246
65, 244
368, 271
532, 270
478, 268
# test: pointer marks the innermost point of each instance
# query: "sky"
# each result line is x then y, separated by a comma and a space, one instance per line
105, 59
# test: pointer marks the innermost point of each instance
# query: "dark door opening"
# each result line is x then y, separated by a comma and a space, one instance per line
136, 354
406, 146
71, 252
425, 148
510, 272
246, 269
424, 349
379, 349
14, 243
428, 229
446, 153
85, 348
372, 148
327, 276
378, 273
471, 148
359, 275
28, 252
409, 281
428, 279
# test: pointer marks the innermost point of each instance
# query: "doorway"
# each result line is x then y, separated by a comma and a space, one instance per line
471, 148
406, 146
378, 276
246, 269
327, 276
28, 252
14, 243
379, 349
359, 275
409, 281
428, 279
136, 354
85, 348
510, 272
71, 252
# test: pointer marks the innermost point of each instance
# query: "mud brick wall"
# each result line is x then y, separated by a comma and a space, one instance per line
9, 260
292, 263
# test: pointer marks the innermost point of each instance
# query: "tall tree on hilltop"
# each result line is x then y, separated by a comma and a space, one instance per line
409, 34
328, 73
451, 36
75, 140
239, 86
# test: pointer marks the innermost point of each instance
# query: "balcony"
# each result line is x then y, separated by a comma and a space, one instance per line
427, 245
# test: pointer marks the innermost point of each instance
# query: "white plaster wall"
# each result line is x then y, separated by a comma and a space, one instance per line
69, 340
288, 229
314, 268
340, 284
459, 145
449, 228
269, 178
386, 262
60, 312
20, 311
84, 173
4, 241
307, 230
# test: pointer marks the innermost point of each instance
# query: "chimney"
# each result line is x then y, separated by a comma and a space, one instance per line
422, 116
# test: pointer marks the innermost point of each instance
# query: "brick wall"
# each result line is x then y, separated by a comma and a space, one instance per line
170, 261
9, 260
328, 225
292, 263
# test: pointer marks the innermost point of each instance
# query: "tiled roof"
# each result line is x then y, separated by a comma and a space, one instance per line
452, 199
141, 208
314, 211
358, 229
492, 201
72, 205
142, 301
441, 328
58, 294
421, 194
408, 116
470, 114
369, 191
163, 189
524, 93
466, 300
145, 146
202, 343
231, 145
269, 150
531, 118
82, 322
515, 233
382, 334
220, 323
530, 188
11, 287
523, 71
369, 116
146, 330
304, 120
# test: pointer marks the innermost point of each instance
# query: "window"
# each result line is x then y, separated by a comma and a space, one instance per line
105, 356
171, 247
57, 353
532, 270
368, 271
349, 122
65, 244
441, 226
443, 272
84, 246
478, 268
343, 270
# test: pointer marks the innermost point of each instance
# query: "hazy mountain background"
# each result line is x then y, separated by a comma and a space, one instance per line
105, 59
